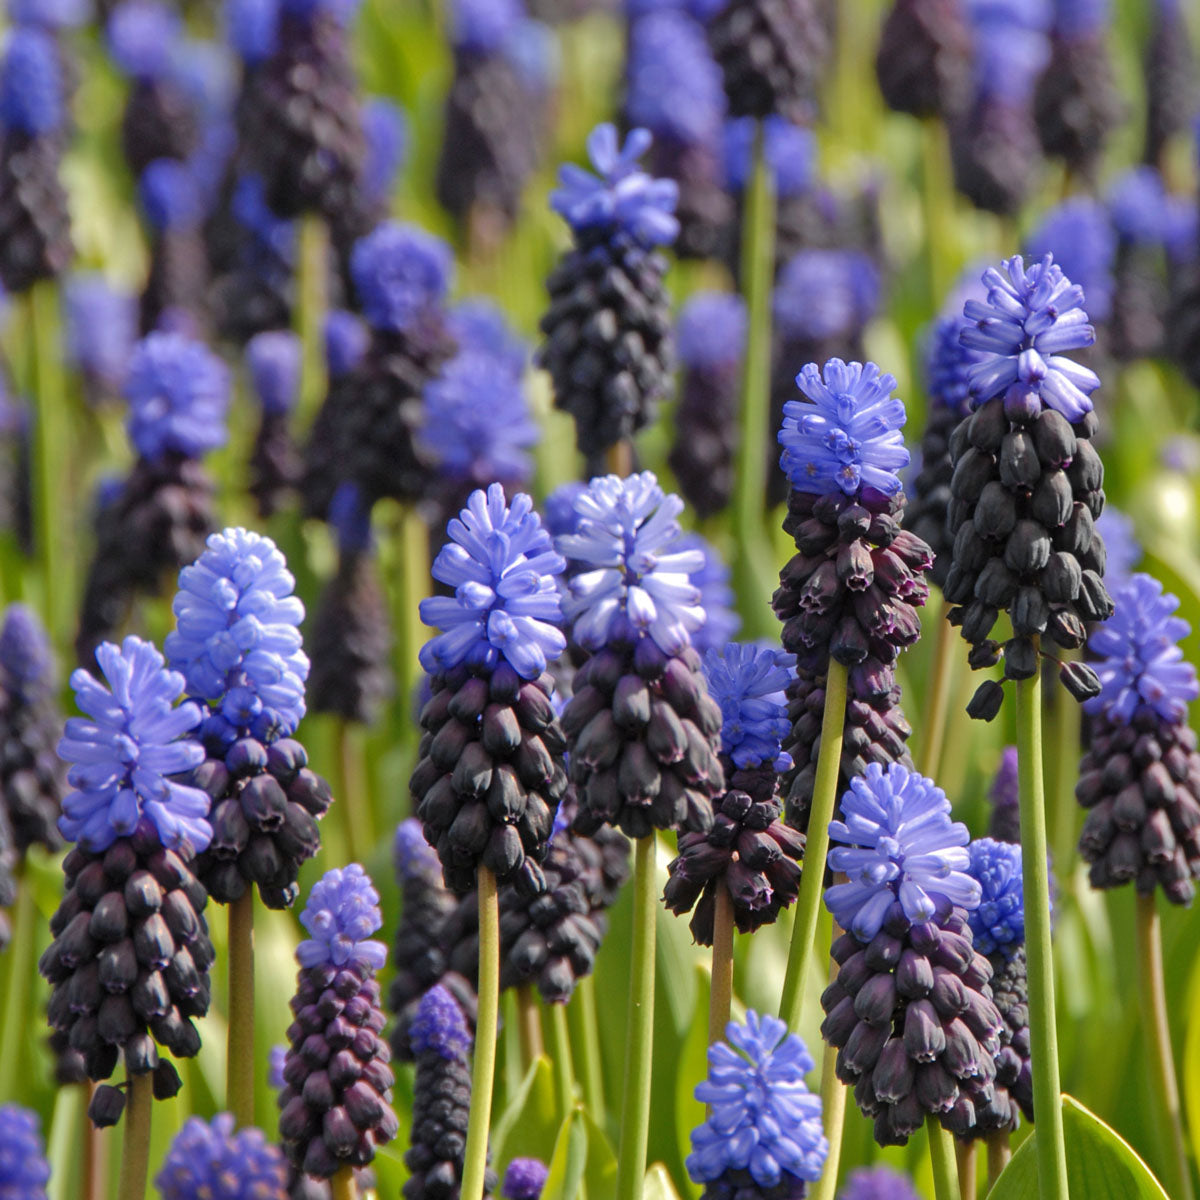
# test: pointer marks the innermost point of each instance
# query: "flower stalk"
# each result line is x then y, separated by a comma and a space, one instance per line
239, 1080
941, 681
808, 904
343, 1186
635, 1107
585, 1030
135, 1150
560, 1051
833, 1112
1051, 1144
941, 1155
720, 1001
310, 312
999, 1151
529, 1026
483, 1068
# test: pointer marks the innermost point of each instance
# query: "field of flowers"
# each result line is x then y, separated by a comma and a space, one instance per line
598, 599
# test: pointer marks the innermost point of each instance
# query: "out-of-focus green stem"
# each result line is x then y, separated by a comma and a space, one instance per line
720, 998
820, 813
941, 1155
941, 681
1043, 1032
135, 1150
352, 789
585, 1030
635, 1106
239, 1068
16, 970
753, 568
313, 258
1062, 770
483, 1069
412, 586
343, 1186
937, 195
833, 1114
529, 1026
560, 1051
1153, 1011
95, 1150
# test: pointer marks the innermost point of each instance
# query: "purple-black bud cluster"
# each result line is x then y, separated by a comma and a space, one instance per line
924, 58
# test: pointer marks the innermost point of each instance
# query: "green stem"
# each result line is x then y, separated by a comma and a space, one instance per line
820, 813
412, 587
941, 674
1153, 1009
529, 1026
833, 1113
310, 311
937, 195
753, 568
1062, 808
95, 1150
135, 1149
18, 961
343, 1186
635, 1105
239, 1069
586, 1033
720, 999
941, 1155
483, 1070
353, 792
967, 1154
999, 1151
1043, 1033
560, 1051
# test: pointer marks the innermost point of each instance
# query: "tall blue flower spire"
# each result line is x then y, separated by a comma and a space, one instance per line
125, 753
341, 914
998, 924
749, 683
764, 1127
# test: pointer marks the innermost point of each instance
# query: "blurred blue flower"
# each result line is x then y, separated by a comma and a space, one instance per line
1030, 317
502, 566
385, 128
276, 1057
849, 437
350, 518
749, 683
481, 26
209, 1161
142, 37
790, 149
533, 49
711, 331
50, 14
1141, 664
999, 922
524, 1179
205, 73
31, 85
675, 88
252, 27
341, 914
1123, 551
251, 211
412, 856
620, 198
401, 273
877, 1183
1139, 207
825, 294
274, 360
561, 515
341, 11
178, 394
633, 579
762, 1117
477, 324
900, 844
948, 362
24, 1171
439, 1025
1080, 236
712, 579
25, 655
237, 639
123, 757
170, 197
1011, 47
346, 341
102, 325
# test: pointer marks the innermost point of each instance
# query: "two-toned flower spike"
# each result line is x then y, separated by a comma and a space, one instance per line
490, 772
1028, 484
910, 1010
130, 957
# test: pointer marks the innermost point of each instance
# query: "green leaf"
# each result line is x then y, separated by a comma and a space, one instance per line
693, 1067
601, 1174
569, 1159
1101, 1165
531, 1118
658, 1184
390, 1172
1191, 1062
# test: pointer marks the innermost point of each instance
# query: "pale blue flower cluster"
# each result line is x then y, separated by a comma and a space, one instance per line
341, 914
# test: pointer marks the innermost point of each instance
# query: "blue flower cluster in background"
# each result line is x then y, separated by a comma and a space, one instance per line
749, 683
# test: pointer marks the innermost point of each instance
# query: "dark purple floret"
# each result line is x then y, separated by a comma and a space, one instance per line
924, 58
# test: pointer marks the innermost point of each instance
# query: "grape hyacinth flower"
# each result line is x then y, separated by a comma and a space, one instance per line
102, 328
1027, 483
674, 90
1124, 551
31, 775
608, 346
643, 730
366, 430
998, 924
877, 1183
910, 1010
351, 637
208, 1159
336, 1107
923, 63
1080, 235
748, 850
1141, 214
299, 117
763, 1135
1077, 103
852, 590
24, 1171
177, 286
1005, 825
159, 120
711, 340
178, 395
772, 54
422, 950
130, 957
274, 361
948, 365
1139, 774
490, 773
441, 1042
1169, 67
524, 1179
238, 644
712, 580
491, 121
36, 243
